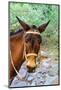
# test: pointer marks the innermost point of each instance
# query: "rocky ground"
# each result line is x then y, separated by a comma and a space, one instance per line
46, 73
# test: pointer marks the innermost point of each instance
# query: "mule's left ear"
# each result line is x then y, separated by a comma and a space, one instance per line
23, 24
43, 27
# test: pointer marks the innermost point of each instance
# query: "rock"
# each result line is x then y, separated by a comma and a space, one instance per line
38, 76
55, 81
53, 70
23, 72
30, 78
38, 81
44, 53
14, 82
33, 83
22, 83
47, 63
19, 84
45, 66
28, 84
41, 80
50, 80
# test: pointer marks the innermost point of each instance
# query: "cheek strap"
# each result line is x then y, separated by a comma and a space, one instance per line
29, 54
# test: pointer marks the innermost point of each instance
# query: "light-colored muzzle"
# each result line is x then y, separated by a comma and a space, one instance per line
31, 61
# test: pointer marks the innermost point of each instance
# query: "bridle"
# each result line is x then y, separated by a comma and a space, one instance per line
29, 54
24, 54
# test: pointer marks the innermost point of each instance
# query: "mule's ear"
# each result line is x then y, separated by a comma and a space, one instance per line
23, 24
43, 27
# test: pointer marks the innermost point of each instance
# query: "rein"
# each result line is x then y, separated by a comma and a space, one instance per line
19, 76
24, 55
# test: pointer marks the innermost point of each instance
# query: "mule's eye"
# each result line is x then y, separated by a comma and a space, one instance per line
27, 40
39, 41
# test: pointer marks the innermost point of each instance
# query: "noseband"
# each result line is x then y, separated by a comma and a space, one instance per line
24, 54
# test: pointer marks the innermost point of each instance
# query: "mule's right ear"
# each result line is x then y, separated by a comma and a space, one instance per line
23, 24
43, 27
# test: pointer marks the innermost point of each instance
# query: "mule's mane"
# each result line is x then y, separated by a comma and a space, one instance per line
14, 33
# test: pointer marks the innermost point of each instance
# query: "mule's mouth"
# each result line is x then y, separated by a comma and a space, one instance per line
31, 63
31, 69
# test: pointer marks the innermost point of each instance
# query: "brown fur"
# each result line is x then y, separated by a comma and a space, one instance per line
16, 47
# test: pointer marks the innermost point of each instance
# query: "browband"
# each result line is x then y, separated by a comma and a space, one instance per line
31, 32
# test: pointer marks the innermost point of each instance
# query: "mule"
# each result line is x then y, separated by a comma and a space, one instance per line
25, 45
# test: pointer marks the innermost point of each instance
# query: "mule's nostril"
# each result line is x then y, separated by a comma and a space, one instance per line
30, 69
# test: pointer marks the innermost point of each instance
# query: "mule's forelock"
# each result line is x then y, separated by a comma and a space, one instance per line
34, 26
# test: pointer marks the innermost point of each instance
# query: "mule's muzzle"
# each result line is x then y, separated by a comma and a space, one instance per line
31, 69
31, 62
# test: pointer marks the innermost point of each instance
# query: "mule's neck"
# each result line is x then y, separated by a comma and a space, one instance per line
18, 35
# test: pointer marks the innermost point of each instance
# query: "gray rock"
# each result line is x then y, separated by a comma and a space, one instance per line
28, 84
23, 72
20, 84
38, 74
53, 70
14, 82
47, 63
44, 53
30, 78
33, 83
49, 80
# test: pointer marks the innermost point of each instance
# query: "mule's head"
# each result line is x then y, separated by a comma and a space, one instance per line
32, 41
